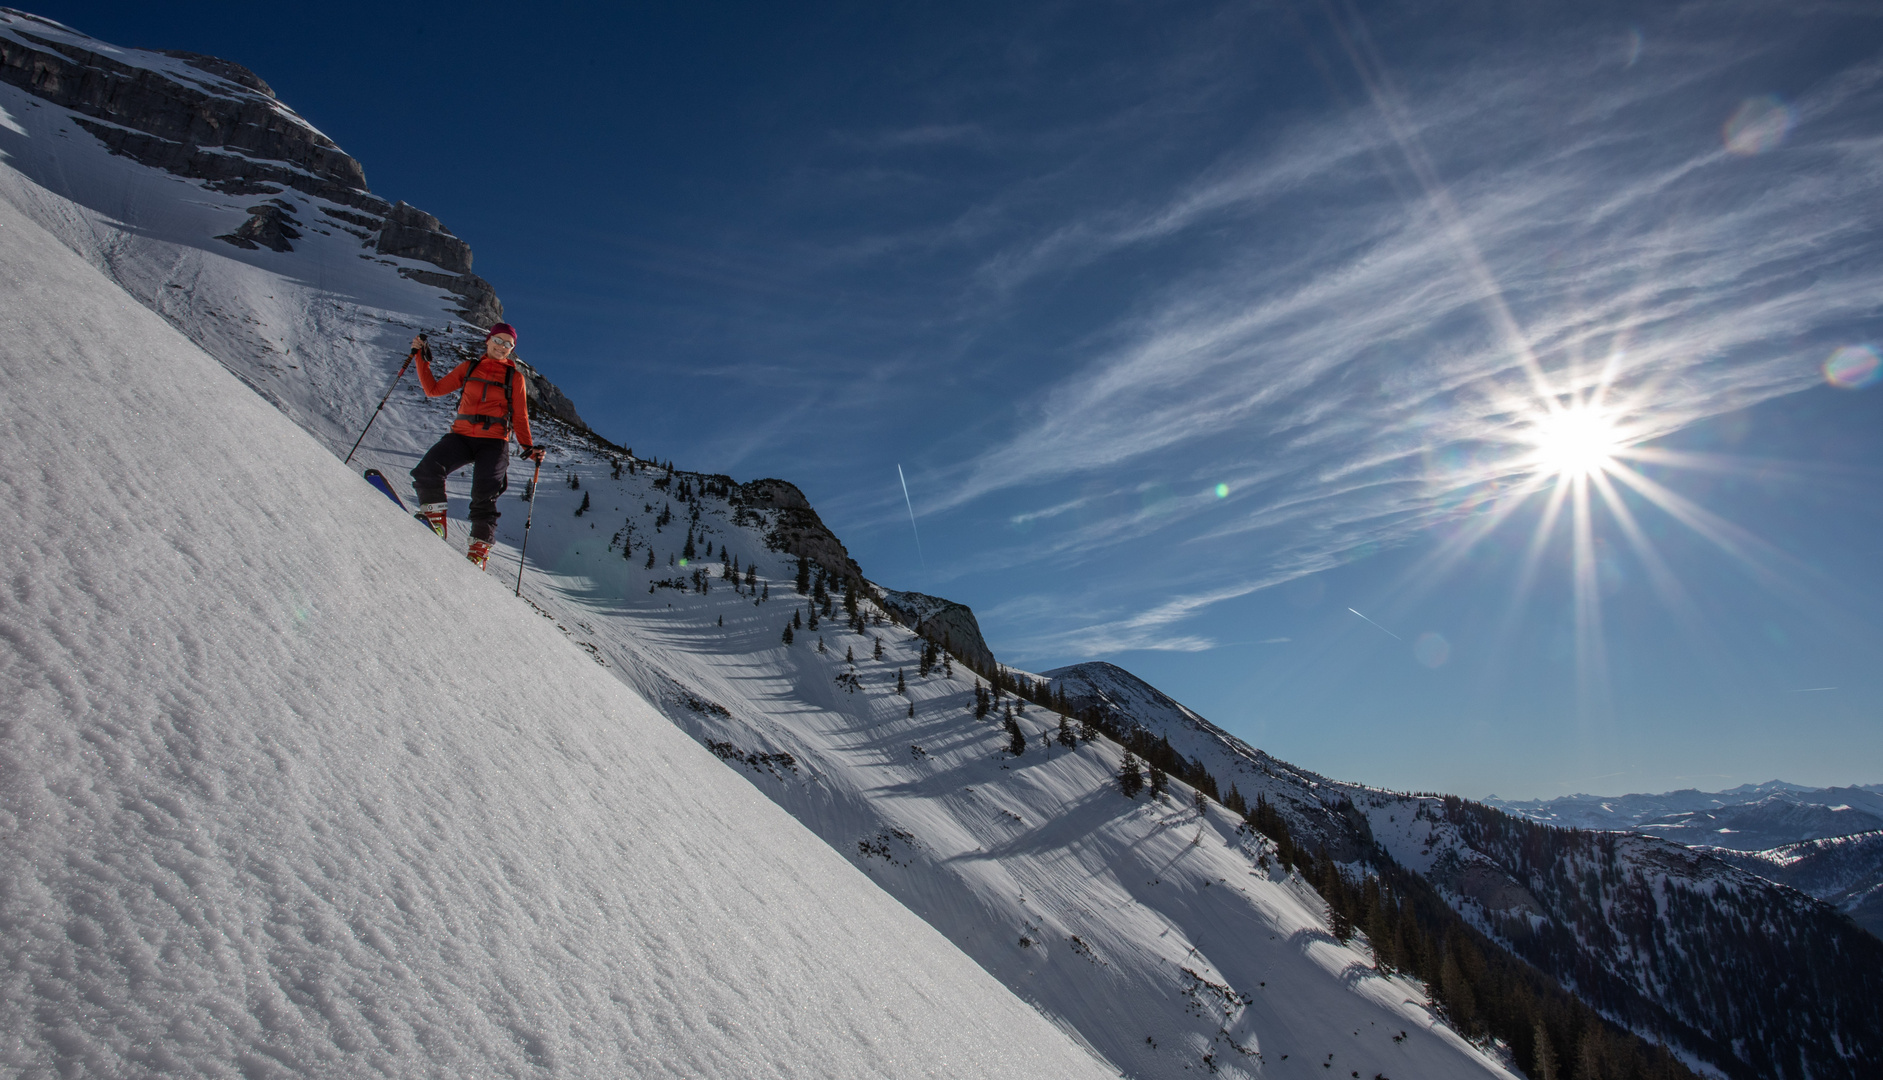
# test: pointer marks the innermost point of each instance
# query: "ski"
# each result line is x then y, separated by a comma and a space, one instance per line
378, 480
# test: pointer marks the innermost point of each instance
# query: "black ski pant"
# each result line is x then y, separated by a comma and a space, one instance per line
490, 476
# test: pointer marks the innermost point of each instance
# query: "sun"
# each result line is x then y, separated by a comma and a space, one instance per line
1574, 443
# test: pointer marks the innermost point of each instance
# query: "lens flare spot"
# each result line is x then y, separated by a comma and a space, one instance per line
1853, 367
683, 562
1431, 649
1758, 125
1222, 491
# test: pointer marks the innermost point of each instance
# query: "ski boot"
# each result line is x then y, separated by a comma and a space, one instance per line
433, 514
479, 554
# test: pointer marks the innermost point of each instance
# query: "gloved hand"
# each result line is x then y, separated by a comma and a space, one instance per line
533, 453
422, 346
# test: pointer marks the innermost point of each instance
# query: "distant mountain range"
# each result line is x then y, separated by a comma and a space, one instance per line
1827, 842
1750, 817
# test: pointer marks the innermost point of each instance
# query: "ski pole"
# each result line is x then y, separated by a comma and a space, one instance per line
423, 346
525, 550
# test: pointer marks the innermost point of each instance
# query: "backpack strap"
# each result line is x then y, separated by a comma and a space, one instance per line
509, 399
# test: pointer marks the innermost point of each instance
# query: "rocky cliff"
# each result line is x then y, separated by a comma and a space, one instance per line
944, 622
215, 121
796, 528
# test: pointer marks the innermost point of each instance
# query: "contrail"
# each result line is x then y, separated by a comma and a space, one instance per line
911, 506
1813, 689
1383, 630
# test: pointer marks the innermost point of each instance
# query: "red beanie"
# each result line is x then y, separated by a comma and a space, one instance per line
502, 328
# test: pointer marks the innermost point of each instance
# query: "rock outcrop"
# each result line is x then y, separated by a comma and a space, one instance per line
271, 226
944, 622
215, 121
796, 528
204, 118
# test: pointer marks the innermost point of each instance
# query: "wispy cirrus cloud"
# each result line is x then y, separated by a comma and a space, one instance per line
1352, 359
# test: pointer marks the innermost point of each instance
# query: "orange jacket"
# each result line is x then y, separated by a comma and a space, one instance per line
481, 409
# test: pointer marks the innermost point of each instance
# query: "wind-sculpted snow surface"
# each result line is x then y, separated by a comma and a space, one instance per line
288, 789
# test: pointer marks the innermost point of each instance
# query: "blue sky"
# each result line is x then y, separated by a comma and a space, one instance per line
1198, 328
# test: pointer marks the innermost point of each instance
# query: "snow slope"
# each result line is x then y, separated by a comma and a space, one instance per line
1146, 928
286, 788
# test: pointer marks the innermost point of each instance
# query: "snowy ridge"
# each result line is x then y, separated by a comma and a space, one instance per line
1845, 871
1621, 920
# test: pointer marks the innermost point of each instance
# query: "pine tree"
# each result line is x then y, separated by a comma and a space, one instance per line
804, 575
1159, 781
1200, 802
1333, 889
751, 576
1589, 1065
575, 482
1460, 1003
582, 509
1016, 739
795, 620
911, 710
788, 634
948, 666
1130, 780
650, 556
813, 622
901, 687
927, 660
687, 552
1542, 1054
981, 705
876, 653
766, 592
820, 643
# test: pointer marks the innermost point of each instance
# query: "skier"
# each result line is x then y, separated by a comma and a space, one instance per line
493, 403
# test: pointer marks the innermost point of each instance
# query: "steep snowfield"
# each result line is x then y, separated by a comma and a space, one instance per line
287, 788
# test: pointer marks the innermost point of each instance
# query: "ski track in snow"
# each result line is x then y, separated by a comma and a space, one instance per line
291, 788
